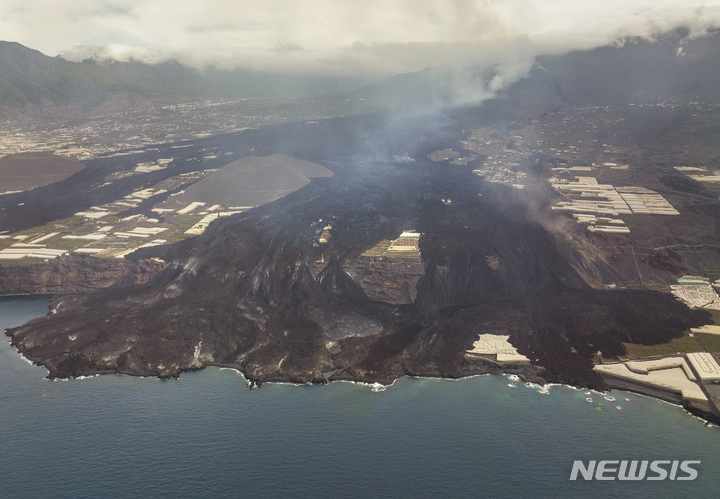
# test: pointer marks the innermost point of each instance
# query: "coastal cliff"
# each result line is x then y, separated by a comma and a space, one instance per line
74, 274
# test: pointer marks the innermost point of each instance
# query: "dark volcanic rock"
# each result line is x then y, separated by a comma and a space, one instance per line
390, 280
254, 293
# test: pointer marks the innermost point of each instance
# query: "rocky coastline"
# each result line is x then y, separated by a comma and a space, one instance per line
74, 274
259, 292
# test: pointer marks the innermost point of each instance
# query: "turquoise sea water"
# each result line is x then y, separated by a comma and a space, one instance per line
208, 435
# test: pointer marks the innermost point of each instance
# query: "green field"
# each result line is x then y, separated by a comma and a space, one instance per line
711, 342
715, 316
657, 286
686, 344
379, 249
713, 187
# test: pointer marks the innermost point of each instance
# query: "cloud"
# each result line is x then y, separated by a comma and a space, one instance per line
369, 38
645, 23
285, 47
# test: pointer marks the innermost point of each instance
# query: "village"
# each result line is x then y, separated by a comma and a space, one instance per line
129, 132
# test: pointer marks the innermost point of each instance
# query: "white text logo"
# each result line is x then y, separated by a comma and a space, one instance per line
634, 470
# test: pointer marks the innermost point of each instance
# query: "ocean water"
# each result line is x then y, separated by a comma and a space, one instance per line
208, 435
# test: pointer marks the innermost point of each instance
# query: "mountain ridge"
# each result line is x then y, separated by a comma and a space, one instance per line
29, 77
670, 66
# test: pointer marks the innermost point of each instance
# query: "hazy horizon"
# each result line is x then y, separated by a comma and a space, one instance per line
353, 39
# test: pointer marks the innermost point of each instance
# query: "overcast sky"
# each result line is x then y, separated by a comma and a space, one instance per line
340, 37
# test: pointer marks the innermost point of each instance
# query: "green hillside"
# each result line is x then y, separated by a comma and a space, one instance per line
29, 77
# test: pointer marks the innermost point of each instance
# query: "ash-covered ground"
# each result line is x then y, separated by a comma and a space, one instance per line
257, 292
